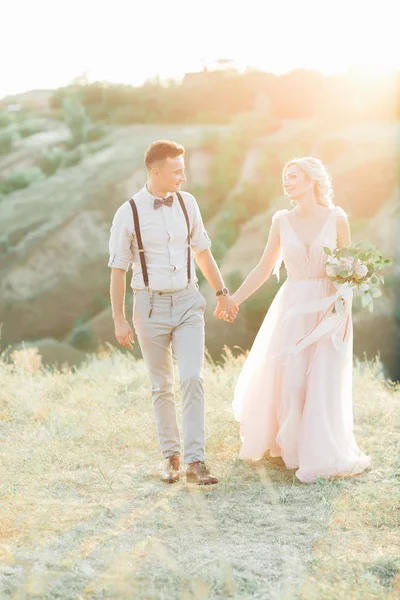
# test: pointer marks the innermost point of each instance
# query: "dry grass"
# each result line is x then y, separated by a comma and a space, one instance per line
84, 515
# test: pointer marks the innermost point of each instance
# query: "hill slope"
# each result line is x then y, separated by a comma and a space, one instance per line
53, 261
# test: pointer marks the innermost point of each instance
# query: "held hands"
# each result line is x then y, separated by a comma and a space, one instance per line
227, 309
124, 334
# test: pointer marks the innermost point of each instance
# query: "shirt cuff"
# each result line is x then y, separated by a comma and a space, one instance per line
118, 263
203, 244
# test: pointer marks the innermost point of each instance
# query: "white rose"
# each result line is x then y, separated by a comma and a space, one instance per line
330, 270
360, 271
347, 264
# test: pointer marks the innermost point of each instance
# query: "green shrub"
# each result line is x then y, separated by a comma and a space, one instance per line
29, 128
229, 223
385, 569
76, 119
6, 142
95, 133
72, 143
219, 248
20, 180
257, 305
50, 160
227, 233
5, 119
82, 338
5, 245
101, 302
97, 146
74, 156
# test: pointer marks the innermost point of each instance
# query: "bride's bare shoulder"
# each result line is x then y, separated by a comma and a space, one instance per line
278, 214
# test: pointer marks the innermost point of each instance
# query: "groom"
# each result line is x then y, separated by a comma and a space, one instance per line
159, 231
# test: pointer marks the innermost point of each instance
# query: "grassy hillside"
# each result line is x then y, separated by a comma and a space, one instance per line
84, 514
54, 280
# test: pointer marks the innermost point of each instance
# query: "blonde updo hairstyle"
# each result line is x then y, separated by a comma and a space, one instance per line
316, 170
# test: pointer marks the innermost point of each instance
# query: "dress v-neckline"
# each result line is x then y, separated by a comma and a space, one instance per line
309, 246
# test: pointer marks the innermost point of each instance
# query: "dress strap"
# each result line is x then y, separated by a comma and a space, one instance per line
279, 214
340, 213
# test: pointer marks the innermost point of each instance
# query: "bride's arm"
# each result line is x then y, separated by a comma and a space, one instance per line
343, 232
262, 270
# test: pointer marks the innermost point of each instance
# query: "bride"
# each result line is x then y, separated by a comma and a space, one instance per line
293, 397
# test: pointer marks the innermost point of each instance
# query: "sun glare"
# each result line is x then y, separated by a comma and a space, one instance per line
131, 43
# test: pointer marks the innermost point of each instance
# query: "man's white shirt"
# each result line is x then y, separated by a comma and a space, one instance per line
164, 237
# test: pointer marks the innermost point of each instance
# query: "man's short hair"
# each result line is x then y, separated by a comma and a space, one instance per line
160, 150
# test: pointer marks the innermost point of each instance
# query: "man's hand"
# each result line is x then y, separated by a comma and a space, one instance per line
226, 309
124, 333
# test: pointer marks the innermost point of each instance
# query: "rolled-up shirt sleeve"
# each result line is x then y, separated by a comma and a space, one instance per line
199, 238
121, 236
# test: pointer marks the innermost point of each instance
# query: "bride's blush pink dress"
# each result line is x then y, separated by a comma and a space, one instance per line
293, 397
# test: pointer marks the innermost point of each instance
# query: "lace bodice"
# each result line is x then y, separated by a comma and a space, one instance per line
304, 262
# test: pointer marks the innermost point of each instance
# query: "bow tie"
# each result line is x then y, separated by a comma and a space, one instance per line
166, 201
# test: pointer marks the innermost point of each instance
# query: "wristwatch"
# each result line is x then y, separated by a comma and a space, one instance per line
223, 292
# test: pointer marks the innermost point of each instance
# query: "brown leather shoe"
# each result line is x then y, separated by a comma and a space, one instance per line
198, 472
172, 469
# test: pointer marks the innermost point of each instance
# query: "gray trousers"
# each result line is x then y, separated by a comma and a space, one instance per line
176, 325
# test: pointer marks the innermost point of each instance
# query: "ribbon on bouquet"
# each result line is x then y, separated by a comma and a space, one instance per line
330, 326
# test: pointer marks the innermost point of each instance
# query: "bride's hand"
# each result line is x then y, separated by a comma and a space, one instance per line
225, 317
226, 309
229, 317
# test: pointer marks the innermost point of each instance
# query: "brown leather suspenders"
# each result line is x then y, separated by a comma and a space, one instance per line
140, 242
181, 202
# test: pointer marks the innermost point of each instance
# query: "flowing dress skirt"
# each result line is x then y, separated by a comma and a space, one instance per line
298, 404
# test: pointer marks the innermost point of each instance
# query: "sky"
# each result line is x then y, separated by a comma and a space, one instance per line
46, 43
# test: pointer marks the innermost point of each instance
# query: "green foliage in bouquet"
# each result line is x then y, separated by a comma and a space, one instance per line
358, 266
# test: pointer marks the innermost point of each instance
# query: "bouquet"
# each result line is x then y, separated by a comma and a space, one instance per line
358, 267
